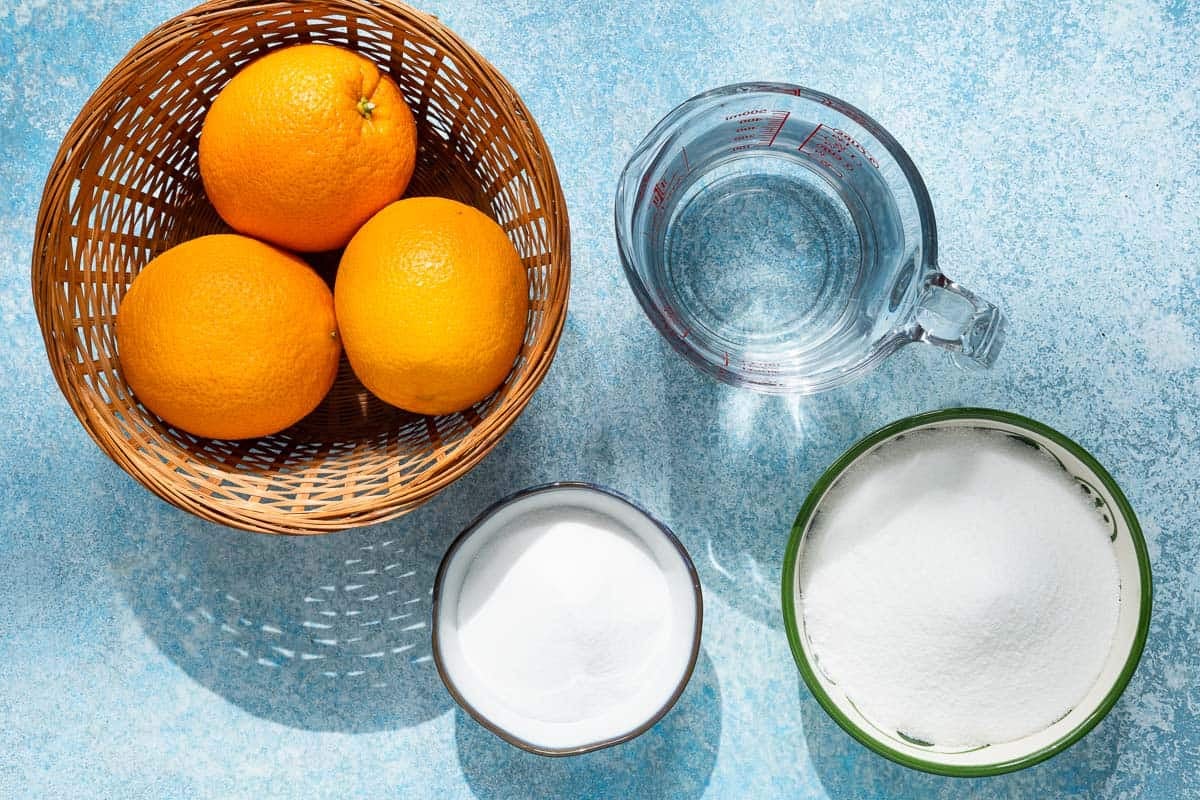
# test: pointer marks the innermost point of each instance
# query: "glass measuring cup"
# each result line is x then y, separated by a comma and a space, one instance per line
780, 239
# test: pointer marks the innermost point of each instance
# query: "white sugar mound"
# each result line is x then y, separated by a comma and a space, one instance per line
564, 614
960, 588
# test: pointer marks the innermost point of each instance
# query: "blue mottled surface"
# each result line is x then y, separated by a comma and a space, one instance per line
1062, 152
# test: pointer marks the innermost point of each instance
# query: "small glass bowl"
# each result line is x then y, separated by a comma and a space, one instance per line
1133, 622
659, 541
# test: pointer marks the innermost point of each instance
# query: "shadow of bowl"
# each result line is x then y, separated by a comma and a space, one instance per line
674, 759
849, 771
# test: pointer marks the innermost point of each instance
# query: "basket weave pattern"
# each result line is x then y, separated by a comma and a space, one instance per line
125, 186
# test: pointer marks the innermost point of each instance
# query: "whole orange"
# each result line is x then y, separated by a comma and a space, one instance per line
431, 301
303, 145
227, 337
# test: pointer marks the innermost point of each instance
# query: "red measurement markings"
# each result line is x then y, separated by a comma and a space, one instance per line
778, 126
809, 137
837, 150
665, 188
757, 128
660, 194
745, 114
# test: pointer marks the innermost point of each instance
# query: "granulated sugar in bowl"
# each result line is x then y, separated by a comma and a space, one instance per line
566, 619
947, 578
968, 596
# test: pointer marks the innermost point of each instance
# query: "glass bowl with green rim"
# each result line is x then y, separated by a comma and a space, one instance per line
1133, 621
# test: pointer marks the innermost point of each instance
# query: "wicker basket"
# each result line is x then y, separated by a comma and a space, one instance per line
125, 186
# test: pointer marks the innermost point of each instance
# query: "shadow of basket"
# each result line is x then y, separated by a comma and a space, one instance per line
326, 633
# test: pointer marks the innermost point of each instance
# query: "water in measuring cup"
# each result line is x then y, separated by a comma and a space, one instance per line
765, 254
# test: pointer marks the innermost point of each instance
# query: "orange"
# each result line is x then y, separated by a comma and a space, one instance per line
303, 145
227, 337
431, 301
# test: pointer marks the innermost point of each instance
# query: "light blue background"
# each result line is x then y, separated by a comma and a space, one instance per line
1061, 151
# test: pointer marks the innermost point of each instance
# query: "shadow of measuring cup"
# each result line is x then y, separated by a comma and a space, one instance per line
740, 466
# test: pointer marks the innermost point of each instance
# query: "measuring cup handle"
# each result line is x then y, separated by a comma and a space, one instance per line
953, 318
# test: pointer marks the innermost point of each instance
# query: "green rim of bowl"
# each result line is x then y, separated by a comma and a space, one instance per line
793, 629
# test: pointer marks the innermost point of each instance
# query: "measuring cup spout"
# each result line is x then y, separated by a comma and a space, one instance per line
953, 318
